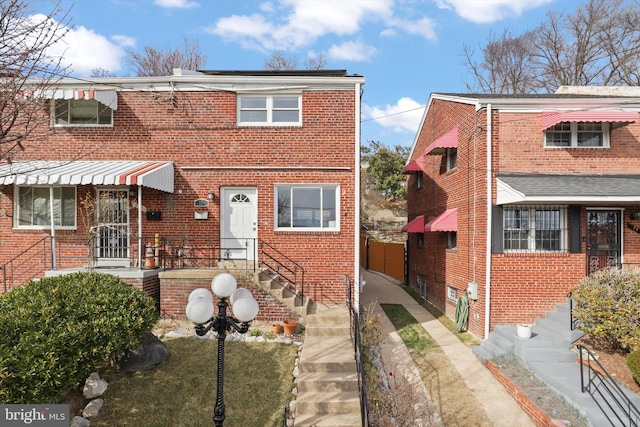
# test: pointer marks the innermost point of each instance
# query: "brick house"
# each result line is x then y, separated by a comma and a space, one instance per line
197, 167
513, 199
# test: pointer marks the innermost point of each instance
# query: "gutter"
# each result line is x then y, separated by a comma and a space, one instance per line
487, 309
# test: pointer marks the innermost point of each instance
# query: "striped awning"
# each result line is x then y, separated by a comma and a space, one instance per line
157, 175
448, 140
106, 97
552, 118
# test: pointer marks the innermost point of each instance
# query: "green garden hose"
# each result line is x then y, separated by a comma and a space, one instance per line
462, 313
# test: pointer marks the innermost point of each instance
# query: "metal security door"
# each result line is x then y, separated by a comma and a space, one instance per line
604, 248
112, 219
239, 223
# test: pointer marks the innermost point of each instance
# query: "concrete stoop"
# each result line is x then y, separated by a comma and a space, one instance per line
281, 290
328, 382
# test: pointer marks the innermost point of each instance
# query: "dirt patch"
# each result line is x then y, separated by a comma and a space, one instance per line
548, 401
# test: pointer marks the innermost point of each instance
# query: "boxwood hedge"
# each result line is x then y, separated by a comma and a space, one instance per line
54, 332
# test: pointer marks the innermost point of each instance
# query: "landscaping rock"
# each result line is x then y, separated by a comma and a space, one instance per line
92, 408
147, 355
80, 422
94, 386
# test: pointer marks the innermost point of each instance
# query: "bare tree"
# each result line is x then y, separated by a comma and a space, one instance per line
155, 62
26, 71
277, 60
598, 45
507, 66
101, 72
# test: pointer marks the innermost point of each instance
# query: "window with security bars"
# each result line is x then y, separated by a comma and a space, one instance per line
535, 228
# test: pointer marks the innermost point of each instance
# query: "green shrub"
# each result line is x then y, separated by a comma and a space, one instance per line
607, 307
633, 362
54, 332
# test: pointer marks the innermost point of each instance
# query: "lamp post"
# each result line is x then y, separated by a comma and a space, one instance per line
200, 311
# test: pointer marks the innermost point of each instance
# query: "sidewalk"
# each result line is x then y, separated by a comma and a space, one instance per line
498, 405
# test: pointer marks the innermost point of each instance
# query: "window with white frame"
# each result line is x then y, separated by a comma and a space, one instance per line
271, 110
535, 228
312, 206
452, 158
33, 207
81, 112
452, 294
577, 135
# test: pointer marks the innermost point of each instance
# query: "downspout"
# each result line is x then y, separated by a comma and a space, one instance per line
487, 310
53, 230
139, 255
356, 237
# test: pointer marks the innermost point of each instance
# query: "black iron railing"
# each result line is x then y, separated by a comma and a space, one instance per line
29, 264
291, 273
573, 322
607, 394
357, 347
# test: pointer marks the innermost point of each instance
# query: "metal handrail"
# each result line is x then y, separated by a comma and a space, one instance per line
599, 382
359, 357
18, 268
573, 323
279, 264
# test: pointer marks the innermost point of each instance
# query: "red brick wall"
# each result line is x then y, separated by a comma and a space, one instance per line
462, 188
523, 286
200, 131
175, 293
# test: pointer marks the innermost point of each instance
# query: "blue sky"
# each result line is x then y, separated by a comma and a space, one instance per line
405, 49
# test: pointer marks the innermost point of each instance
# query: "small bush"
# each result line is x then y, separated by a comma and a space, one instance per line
607, 307
633, 362
54, 332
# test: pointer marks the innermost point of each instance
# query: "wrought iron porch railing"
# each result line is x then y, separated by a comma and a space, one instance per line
357, 347
280, 264
27, 265
607, 394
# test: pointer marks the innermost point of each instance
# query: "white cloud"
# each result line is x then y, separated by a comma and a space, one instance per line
403, 117
351, 51
83, 50
487, 11
176, 4
294, 24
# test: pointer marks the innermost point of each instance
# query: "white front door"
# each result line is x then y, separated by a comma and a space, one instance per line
239, 223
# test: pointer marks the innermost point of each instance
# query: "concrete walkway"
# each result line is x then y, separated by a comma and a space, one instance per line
498, 405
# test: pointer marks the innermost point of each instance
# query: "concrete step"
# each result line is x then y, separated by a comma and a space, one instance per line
328, 403
315, 329
330, 316
327, 382
341, 420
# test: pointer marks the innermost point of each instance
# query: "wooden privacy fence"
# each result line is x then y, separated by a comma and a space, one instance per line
387, 258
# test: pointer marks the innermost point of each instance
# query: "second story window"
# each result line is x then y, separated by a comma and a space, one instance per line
419, 180
577, 135
269, 110
452, 158
81, 112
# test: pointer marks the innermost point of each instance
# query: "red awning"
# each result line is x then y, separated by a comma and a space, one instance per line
416, 225
446, 221
448, 140
552, 118
414, 166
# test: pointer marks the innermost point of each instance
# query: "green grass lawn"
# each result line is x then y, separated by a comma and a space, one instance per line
182, 390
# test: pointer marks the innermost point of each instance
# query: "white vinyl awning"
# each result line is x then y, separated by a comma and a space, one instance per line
157, 175
106, 97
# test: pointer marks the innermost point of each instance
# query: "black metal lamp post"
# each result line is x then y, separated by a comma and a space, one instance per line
200, 310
